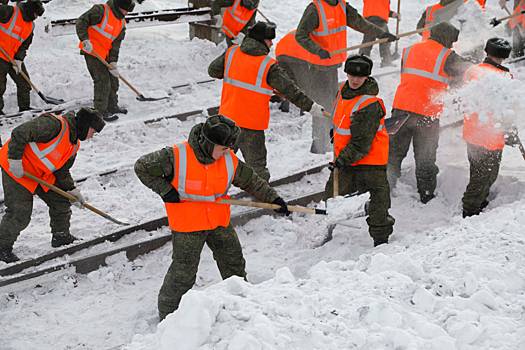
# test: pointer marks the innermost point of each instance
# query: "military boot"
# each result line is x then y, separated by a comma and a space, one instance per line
7, 255
109, 117
426, 197
60, 239
118, 110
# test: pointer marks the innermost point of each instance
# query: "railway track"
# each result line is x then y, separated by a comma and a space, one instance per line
13, 273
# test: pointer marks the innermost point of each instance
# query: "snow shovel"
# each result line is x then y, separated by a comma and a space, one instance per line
140, 96
520, 146
72, 198
200, 82
46, 99
292, 208
396, 51
497, 21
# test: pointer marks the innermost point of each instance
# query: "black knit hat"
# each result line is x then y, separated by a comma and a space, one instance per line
88, 118
359, 65
261, 31
498, 47
221, 131
33, 8
127, 5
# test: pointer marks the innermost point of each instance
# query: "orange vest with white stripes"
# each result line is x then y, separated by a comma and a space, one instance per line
43, 159
429, 18
342, 121
518, 20
14, 33
245, 91
235, 18
200, 187
423, 79
376, 8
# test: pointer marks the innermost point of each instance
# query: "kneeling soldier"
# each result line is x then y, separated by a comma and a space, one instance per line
361, 145
45, 147
192, 177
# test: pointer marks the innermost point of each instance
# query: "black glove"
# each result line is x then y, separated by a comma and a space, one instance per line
324, 54
284, 207
511, 137
386, 35
171, 197
337, 164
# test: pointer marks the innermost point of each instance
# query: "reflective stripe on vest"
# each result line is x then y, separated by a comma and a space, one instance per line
232, 12
434, 75
347, 132
182, 162
324, 20
11, 25
102, 27
41, 154
257, 87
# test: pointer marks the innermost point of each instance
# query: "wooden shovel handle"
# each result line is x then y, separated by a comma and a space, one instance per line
24, 75
244, 203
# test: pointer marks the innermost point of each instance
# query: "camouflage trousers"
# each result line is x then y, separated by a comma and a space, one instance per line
252, 144
187, 248
19, 207
23, 88
353, 180
484, 168
423, 132
105, 98
384, 49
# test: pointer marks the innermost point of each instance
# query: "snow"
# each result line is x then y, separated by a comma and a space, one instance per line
442, 283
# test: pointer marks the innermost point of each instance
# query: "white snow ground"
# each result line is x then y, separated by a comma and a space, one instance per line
442, 283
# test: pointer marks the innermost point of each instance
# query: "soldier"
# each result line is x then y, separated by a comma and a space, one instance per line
517, 26
485, 139
427, 69
306, 53
16, 35
179, 175
246, 102
238, 17
45, 147
101, 31
378, 12
361, 145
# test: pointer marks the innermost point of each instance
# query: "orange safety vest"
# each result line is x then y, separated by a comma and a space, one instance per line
481, 3
329, 35
342, 120
429, 18
423, 78
245, 91
103, 34
235, 19
518, 20
477, 132
43, 159
376, 8
200, 187
14, 33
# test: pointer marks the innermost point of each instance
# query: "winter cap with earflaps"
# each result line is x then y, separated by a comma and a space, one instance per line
359, 65
88, 118
127, 5
444, 33
220, 130
498, 47
33, 8
261, 31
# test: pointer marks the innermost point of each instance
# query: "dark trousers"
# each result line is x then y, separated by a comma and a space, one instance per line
384, 49
105, 86
23, 88
484, 169
187, 248
252, 144
423, 132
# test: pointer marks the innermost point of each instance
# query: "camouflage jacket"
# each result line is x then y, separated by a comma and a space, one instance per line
155, 170
43, 129
217, 5
277, 77
423, 19
6, 12
365, 123
93, 17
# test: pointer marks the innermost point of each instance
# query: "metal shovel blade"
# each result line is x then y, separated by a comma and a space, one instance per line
51, 100
143, 98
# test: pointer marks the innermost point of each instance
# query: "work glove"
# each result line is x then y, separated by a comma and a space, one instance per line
284, 207
79, 203
511, 137
317, 110
87, 46
395, 15
113, 70
171, 197
386, 35
336, 164
239, 39
16, 168
324, 54
217, 20
17, 66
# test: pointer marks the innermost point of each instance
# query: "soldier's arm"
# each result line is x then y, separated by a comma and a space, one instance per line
63, 176
456, 66
422, 20
115, 48
309, 22
365, 123
217, 5
155, 170
22, 50
281, 81
41, 129
216, 67
357, 22
92, 17
246, 179
6, 12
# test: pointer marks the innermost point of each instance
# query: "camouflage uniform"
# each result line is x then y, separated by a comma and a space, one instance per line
384, 48
365, 178
252, 142
218, 5
423, 19
105, 84
18, 200
23, 88
155, 170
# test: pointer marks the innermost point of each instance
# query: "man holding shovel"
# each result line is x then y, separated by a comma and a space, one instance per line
192, 177
16, 35
44, 147
101, 31
361, 145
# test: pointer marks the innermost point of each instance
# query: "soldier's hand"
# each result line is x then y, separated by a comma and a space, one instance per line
511, 137
283, 206
324, 54
18, 66
502, 3
113, 70
16, 168
396, 15
317, 110
87, 46
171, 197
336, 164
389, 36
217, 21
79, 203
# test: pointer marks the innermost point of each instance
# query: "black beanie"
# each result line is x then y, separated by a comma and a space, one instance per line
498, 47
359, 65
261, 31
88, 118
127, 5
